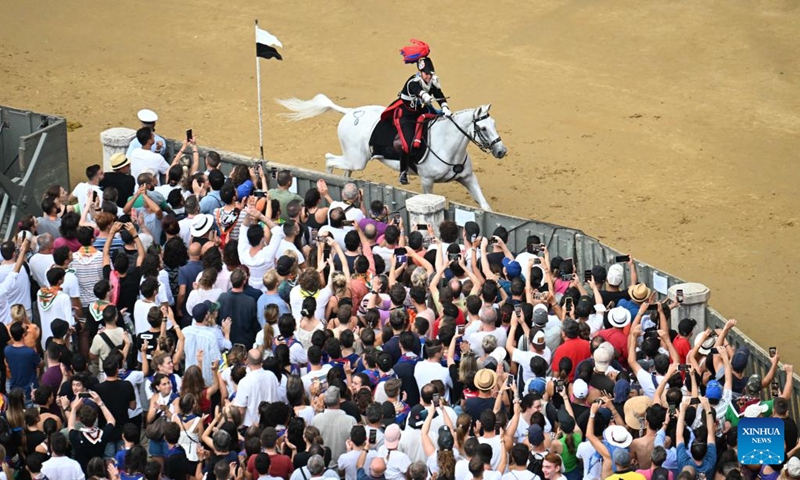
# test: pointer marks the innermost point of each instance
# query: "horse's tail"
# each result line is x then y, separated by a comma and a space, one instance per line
309, 108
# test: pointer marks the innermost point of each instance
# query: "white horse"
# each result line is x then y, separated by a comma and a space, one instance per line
446, 159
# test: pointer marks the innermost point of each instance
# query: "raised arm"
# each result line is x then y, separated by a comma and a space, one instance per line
107, 246
598, 445
156, 208
787, 389
632, 269
681, 422
427, 444
138, 242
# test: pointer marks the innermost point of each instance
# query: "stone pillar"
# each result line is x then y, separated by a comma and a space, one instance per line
115, 140
426, 208
695, 301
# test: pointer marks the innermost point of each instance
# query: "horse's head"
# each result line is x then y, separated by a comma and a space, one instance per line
485, 132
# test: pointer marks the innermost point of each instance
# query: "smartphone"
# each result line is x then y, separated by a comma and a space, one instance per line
518, 309
534, 249
373, 436
259, 193
453, 257
460, 329
679, 295
273, 172
652, 308
714, 350
435, 400
683, 367
537, 261
189, 135
94, 195
396, 219
422, 227
773, 351
348, 223
323, 384
510, 380
566, 277
84, 395
672, 410
587, 275
321, 239
559, 386
622, 258
568, 303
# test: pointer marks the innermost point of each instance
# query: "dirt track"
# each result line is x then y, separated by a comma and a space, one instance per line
669, 130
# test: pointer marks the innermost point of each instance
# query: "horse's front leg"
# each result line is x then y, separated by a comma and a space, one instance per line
471, 184
427, 184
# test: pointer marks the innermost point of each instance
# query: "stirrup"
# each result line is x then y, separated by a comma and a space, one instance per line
403, 178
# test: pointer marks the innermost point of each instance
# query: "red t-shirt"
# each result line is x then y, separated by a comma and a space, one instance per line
576, 349
619, 340
280, 466
682, 347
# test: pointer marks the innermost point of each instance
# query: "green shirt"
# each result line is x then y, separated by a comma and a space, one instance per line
284, 197
733, 417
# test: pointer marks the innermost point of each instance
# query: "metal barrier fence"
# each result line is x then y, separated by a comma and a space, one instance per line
33, 156
566, 242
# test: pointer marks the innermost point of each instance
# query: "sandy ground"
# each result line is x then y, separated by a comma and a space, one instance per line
668, 129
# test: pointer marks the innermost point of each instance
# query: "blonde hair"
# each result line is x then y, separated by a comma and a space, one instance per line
18, 313
339, 284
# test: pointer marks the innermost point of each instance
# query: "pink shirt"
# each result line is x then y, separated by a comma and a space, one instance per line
73, 244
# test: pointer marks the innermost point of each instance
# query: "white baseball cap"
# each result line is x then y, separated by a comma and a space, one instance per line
615, 275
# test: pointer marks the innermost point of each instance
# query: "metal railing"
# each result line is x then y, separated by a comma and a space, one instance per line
563, 241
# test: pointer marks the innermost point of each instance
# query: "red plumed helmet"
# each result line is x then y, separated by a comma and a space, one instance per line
412, 53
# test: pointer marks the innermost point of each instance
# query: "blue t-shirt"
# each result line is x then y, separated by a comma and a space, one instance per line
685, 459
22, 363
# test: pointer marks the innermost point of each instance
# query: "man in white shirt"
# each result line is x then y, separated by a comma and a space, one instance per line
397, 462
144, 159
257, 386
355, 445
94, 174
53, 303
41, 261
351, 196
17, 287
431, 369
334, 425
290, 231
148, 119
534, 343
317, 371
60, 466
487, 327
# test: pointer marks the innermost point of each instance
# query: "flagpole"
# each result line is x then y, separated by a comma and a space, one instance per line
258, 87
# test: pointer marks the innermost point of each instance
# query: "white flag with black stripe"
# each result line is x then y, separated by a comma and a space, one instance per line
266, 43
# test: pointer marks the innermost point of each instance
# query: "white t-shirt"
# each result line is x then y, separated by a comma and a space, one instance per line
83, 190
476, 340
494, 442
63, 468
524, 361
70, 285
337, 234
256, 387
461, 472
308, 378
396, 465
425, 372
135, 378
60, 307
142, 159
165, 190
347, 462
140, 311
19, 291
354, 213
186, 229
296, 302
520, 475
585, 452
40, 264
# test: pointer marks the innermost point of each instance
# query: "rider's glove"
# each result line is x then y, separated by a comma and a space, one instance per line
426, 97
446, 111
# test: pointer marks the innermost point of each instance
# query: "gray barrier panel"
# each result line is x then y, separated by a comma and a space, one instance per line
562, 241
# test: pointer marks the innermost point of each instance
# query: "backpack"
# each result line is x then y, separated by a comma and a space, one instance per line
535, 462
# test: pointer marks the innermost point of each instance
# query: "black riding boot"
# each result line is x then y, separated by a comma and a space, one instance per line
404, 157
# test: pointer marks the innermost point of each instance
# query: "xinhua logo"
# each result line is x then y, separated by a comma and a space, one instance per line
761, 441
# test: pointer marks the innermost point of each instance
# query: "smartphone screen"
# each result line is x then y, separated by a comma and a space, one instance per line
568, 303
423, 227
435, 400
517, 309
400, 251
567, 267
460, 329
622, 258
347, 223
189, 135
679, 295
84, 395
373, 436
587, 275
773, 351
273, 172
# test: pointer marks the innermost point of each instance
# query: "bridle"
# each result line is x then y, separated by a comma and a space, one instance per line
478, 137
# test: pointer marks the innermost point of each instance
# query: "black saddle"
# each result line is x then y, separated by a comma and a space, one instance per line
385, 142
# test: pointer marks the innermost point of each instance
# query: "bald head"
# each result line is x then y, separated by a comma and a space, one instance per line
206, 247
370, 231
254, 358
194, 251
377, 467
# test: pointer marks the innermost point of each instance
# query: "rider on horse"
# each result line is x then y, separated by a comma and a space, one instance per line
412, 109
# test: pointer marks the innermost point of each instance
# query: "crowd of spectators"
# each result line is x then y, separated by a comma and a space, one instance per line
160, 321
